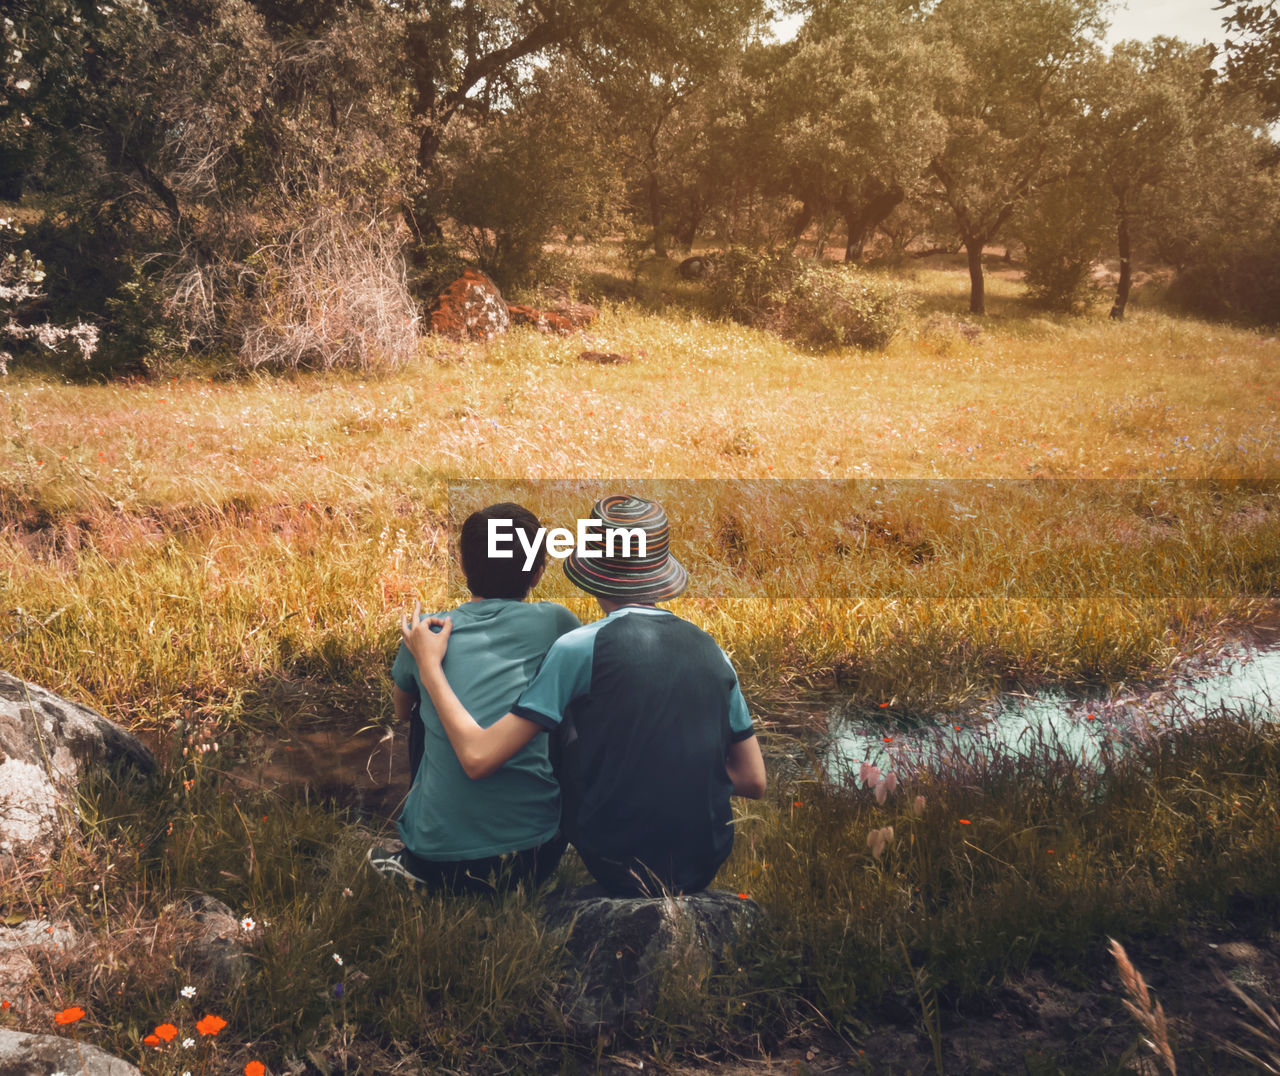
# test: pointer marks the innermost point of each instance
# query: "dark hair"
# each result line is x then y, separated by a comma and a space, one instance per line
499, 577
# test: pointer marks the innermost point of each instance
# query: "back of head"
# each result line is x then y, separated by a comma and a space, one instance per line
500, 577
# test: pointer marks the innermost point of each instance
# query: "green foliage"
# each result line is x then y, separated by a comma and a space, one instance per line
1239, 280
822, 306
1063, 230
746, 281
831, 306
850, 123
1253, 49
1010, 107
22, 277
540, 168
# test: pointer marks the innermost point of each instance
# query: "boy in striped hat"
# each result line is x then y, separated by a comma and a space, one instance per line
651, 733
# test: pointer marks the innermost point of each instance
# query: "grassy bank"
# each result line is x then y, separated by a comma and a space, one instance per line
911, 594
997, 868
1048, 501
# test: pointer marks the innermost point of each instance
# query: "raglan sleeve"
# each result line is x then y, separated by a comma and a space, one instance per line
565, 674
404, 671
740, 726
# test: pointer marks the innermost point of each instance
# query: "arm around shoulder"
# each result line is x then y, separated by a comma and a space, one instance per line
745, 766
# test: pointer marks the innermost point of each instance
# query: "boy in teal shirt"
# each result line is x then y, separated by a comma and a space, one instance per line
653, 733
474, 836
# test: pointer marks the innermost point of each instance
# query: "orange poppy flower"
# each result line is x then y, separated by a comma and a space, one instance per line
69, 1016
151, 1040
965, 822
210, 1024
255, 1068
167, 1032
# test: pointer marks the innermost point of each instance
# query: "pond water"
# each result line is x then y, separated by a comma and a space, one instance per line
1246, 677
362, 769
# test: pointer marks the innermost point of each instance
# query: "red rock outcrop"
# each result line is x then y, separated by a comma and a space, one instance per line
471, 308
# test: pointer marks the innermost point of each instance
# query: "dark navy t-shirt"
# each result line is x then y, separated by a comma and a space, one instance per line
645, 706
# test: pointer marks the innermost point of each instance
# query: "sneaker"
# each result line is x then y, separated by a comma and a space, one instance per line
391, 864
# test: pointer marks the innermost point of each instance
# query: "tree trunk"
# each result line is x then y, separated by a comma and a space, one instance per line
977, 286
1126, 268
800, 223
821, 237
689, 230
655, 215
863, 219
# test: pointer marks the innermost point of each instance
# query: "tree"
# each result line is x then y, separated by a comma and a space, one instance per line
461, 50
658, 96
1009, 109
181, 143
1253, 49
853, 116
1143, 106
539, 166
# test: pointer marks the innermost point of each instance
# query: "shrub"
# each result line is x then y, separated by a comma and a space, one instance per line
1242, 283
333, 293
21, 278
1063, 229
836, 306
747, 282
823, 306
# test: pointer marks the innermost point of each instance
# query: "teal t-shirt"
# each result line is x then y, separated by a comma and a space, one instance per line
495, 648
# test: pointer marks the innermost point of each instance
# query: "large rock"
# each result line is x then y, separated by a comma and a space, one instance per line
471, 308
626, 951
45, 744
22, 1054
25, 943
697, 266
216, 949
563, 318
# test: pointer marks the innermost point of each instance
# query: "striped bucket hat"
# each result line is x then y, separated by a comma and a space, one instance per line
619, 573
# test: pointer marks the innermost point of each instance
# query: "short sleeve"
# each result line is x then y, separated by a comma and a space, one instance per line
740, 726
565, 674
404, 671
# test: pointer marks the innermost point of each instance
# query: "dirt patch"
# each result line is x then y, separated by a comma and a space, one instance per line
365, 770
1040, 1023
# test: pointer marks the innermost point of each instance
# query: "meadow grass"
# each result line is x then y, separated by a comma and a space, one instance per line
1049, 500
997, 864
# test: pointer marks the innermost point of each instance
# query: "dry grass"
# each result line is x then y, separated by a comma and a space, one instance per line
196, 549
1145, 1009
246, 530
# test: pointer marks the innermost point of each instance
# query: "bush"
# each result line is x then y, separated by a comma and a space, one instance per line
334, 293
21, 291
834, 306
823, 306
1241, 283
746, 282
1063, 229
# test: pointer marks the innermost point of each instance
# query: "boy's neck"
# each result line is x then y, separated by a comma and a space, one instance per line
612, 606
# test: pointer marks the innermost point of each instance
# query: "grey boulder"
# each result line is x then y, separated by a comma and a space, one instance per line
23, 1054
631, 954
46, 742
